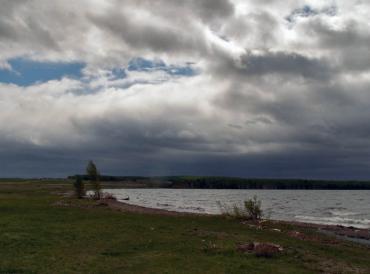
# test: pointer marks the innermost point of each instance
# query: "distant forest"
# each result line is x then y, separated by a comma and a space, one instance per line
230, 183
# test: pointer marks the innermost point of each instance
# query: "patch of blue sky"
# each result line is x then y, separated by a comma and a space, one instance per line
142, 64
119, 73
308, 11
26, 72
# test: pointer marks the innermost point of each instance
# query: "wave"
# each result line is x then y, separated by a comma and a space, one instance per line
360, 223
343, 213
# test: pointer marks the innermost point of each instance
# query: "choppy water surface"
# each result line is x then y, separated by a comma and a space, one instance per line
344, 207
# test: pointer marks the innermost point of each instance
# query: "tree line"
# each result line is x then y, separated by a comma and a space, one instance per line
208, 182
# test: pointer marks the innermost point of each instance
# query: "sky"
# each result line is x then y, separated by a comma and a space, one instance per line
243, 88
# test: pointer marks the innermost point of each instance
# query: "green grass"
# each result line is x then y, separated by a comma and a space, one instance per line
37, 236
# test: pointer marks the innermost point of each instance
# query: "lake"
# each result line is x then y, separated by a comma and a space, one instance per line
342, 207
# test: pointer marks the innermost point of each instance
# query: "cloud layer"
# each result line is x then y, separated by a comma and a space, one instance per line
240, 88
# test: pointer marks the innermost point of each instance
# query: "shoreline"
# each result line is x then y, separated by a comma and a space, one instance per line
353, 234
126, 207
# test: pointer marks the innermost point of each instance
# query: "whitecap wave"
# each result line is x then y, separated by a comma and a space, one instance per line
359, 223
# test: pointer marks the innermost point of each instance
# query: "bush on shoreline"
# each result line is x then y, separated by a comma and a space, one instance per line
251, 210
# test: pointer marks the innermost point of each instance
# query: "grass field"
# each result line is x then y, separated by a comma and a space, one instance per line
37, 235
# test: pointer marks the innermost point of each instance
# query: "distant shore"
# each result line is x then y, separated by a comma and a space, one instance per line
212, 182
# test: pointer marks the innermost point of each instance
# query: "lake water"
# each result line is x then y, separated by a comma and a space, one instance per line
343, 207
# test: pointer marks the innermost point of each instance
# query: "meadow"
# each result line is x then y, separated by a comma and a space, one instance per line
45, 230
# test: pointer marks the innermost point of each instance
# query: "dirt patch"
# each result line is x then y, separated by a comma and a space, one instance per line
349, 232
334, 230
266, 250
312, 238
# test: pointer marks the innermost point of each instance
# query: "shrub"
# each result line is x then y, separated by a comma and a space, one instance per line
79, 187
251, 210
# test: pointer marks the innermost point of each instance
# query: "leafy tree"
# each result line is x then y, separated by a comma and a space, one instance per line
94, 176
79, 187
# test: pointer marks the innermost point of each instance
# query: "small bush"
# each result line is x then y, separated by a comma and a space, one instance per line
251, 210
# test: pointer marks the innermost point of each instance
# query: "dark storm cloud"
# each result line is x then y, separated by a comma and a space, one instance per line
211, 10
350, 43
28, 29
147, 35
302, 163
6, 30
156, 35
285, 63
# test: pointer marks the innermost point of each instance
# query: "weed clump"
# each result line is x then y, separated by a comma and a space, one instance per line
251, 210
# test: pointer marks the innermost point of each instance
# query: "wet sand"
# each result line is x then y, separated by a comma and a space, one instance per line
125, 207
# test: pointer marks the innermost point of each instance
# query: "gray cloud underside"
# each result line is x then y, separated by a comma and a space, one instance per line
273, 98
